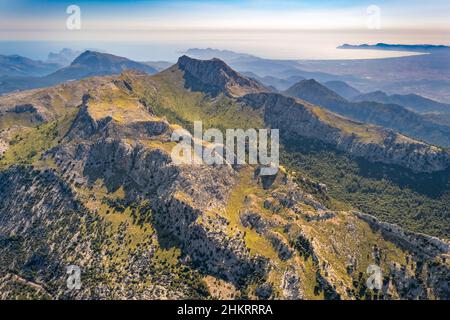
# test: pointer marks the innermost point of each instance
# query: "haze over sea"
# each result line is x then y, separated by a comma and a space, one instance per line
169, 45
281, 29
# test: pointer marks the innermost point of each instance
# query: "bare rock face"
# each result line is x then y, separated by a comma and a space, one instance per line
107, 196
33, 206
182, 197
420, 244
44, 229
421, 247
290, 284
296, 117
214, 76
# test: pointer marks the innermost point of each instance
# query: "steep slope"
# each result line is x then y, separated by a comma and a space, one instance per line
343, 89
214, 77
310, 90
370, 142
386, 115
140, 226
413, 199
106, 196
439, 118
411, 101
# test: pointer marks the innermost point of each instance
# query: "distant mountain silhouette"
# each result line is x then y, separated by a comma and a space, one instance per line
64, 57
396, 47
88, 64
387, 115
15, 65
411, 101
343, 89
92, 63
314, 92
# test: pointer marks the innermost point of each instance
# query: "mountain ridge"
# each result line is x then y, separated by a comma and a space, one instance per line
412, 101
15, 65
215, 76
104, 194
87, 64
388, 115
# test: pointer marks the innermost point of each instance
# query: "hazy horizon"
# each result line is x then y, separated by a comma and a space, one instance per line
160, 30
148, 51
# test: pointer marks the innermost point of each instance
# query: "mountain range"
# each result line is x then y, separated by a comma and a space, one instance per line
424, 74
87, 64
87, 179
15, 65
387, 115
64, 57
343, 89
397, 47
412, 101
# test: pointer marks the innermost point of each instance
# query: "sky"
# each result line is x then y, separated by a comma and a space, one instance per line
250, 25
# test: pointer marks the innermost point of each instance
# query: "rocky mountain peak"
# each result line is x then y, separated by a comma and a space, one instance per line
215, 76
94, 59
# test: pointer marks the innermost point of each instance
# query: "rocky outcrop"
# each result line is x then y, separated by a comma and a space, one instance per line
108, 197
44, 228
434, 272
215, 76
179, 194
420, 244
39, 105
296, 117
290, 284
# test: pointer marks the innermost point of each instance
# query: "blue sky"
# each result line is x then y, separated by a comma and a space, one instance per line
285, 14
228, 24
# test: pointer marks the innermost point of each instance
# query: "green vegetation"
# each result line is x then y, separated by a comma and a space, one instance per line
28, 144
20, 290
26, 119
418, 202
183, 107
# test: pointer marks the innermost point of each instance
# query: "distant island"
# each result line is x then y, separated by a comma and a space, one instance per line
396, 47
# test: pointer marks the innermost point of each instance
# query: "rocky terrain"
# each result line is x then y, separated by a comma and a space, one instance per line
369, 142
87, 179
215, 77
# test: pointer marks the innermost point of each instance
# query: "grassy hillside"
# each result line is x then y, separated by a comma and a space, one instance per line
418, 202
203, 232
